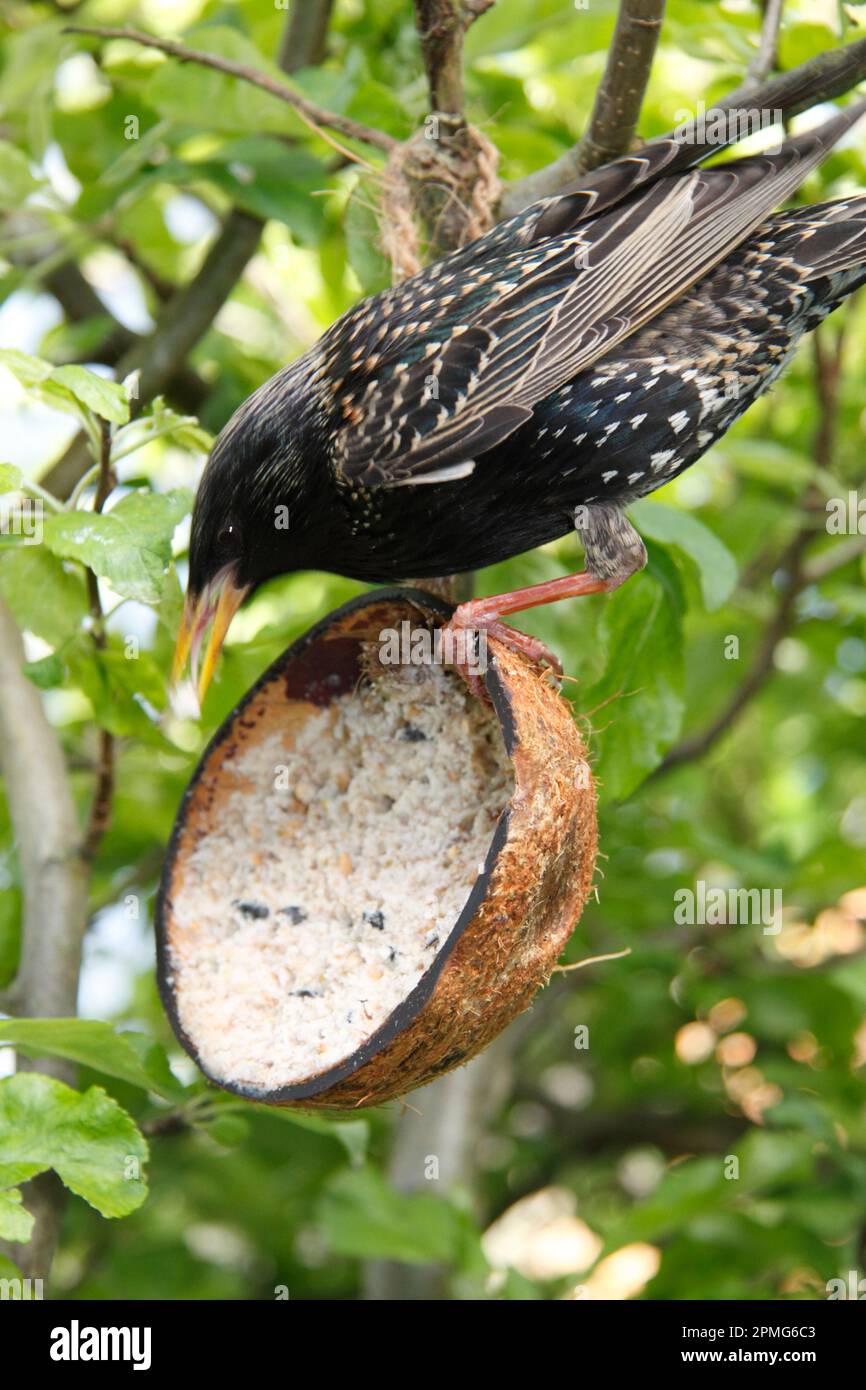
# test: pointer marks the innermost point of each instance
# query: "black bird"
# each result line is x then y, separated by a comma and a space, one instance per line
576, 357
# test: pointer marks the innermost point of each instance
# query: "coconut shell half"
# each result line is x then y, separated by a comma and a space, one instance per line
522, 900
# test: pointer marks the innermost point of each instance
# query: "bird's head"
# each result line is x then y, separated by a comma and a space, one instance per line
249, 515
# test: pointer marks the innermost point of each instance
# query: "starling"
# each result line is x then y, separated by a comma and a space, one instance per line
576, 357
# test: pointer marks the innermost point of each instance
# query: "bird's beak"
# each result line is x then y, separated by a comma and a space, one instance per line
213, 608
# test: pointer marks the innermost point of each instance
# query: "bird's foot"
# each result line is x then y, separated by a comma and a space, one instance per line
482, 616
467, 624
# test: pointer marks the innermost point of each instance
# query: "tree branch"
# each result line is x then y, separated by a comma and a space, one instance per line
54, 877
765, 59
304, 36
440, 30
618, 101
79, 301
820, 79
312, 115
48, 837
615, 111
100, 810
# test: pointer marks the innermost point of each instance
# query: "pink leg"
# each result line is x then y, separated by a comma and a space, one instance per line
483, 614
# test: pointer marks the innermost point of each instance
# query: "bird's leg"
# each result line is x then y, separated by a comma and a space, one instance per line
614, 552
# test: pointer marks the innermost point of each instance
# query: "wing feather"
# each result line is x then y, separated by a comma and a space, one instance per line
555, 302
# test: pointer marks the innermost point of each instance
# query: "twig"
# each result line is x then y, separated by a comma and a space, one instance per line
100, 810
316, 117
303, 40
618, 101
842, 554
765, 59
591, 960
615, 111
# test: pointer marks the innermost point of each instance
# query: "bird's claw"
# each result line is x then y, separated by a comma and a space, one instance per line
532, 648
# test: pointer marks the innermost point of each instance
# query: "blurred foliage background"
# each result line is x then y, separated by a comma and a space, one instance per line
591, 1163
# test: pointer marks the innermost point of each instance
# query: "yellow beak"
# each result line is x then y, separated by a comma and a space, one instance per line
214, 608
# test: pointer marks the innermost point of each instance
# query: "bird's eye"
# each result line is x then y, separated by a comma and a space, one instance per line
227, 536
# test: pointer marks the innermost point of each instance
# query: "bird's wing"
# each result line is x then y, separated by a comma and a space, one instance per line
527, 320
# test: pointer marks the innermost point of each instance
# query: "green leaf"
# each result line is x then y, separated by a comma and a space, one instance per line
8, 1270
46, 673
363, 242
27, 370
641, 690
230, 1131
852, 979
266, 178
92, 1144
670, 526
105, 398
161, 422
16, 179
116, 687
16, 1222
768, 462
130, 546
10, 933
354, 1135
361, 1215
203, 97
10, 477
68, 388
44, 597
129, 1056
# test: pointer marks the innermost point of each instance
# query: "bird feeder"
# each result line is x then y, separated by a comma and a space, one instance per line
373, 869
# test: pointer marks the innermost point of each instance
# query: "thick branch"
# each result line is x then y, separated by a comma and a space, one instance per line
309, 112
441, 25
48, 837
54, 877
440, 30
